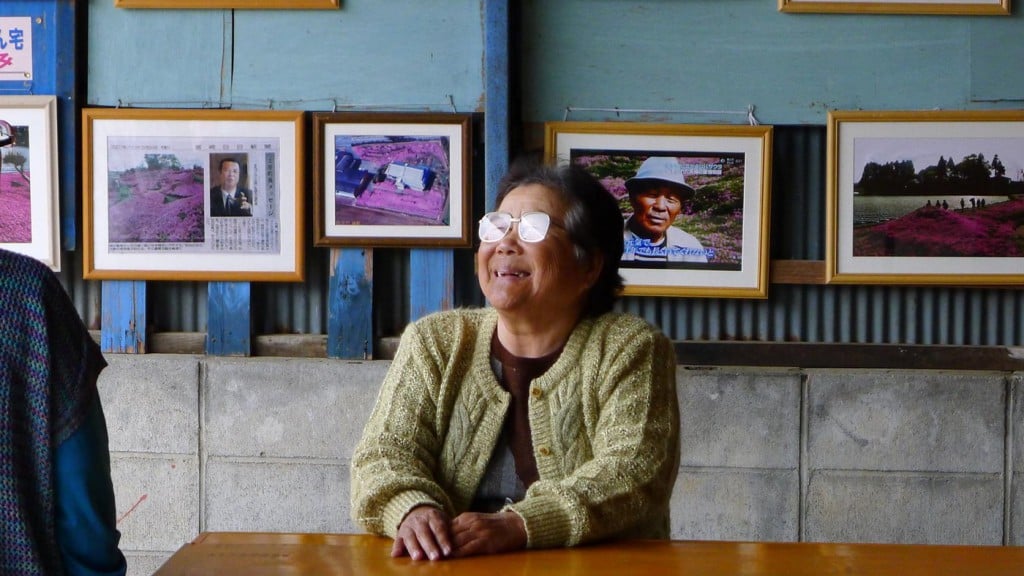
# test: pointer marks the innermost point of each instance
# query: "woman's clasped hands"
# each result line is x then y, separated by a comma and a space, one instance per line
428, 533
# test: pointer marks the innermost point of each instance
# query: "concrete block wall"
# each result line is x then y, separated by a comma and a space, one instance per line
205, 443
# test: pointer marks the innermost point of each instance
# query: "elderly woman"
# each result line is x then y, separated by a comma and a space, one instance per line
543, 420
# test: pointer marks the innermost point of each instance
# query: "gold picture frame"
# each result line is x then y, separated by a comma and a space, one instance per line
231, 4
925, 197
716, 242
961, 7
212, 195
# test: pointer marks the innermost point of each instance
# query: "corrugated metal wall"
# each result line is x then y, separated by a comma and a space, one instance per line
818, 314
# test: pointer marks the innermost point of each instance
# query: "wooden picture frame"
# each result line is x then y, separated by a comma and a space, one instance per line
29, 189
925, 197
960, 7
392, 179
150, 178
713, 244
232, 4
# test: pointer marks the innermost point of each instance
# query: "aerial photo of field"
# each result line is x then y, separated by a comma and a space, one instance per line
157, 201
384, 199
15, 196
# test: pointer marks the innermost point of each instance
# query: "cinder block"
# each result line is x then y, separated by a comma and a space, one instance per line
145, 564
150, 402
906, 420
741, 418
906, 508
1017, 386
157, 501
288, 407
734, 504
277, 496
1016, 535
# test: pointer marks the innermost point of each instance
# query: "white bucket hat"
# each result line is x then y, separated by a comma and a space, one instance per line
661, 170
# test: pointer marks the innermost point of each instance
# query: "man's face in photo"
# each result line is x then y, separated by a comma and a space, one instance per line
654, 210
229, 174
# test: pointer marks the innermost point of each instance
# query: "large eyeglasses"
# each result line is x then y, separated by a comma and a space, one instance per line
533, 226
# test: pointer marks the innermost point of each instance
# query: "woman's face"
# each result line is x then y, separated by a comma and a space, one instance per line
542, 279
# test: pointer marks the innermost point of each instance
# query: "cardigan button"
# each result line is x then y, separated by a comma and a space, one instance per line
536, 392
544, 451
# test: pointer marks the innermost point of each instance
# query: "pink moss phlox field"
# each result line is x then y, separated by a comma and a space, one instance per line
430, 204
997, 230
156, 205
15, 209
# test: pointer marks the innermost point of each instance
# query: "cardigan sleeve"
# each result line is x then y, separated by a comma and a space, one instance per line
393, 464
84, 495
624, 488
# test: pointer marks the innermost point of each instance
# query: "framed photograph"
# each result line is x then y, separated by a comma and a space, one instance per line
968, 7
192, 194
925, 198
232, 4
391, 179
29, 195
694, 201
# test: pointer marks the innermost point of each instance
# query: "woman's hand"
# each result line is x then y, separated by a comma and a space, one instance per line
475, 533
424, 533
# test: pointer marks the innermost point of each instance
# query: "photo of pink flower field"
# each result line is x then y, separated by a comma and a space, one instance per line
15, 209
914, 198
15, 196
158, 201
991, 230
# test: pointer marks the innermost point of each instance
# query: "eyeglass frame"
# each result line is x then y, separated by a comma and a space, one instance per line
513, 220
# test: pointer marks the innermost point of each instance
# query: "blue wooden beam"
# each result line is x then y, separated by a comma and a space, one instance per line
229, 319
123, 321
55, 64
432, 286
496, 101
350, 304
68, 92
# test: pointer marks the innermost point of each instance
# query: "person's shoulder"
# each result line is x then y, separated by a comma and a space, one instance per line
450, 322
627, 328
22, 268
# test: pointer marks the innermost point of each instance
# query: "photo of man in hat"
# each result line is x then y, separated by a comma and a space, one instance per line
658, 193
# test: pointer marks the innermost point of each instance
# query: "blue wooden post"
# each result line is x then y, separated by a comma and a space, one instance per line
54, 65
229, 319
431, 274
123, 323
496, 106
350, 304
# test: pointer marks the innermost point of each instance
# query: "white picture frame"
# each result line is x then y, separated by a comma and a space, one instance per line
30, 219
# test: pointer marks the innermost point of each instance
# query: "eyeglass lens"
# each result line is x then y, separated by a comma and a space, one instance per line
533, 226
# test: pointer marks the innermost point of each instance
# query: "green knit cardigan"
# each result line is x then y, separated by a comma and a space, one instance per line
604, 421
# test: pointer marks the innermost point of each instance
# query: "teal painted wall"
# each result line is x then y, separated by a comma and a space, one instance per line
692, 55
711, 55
394, 55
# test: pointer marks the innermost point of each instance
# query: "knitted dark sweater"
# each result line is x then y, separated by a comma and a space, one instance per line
47, 366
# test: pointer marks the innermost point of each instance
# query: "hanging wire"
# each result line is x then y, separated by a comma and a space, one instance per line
329, 104
748, 113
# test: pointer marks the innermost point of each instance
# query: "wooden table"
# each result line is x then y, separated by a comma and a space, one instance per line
255, 554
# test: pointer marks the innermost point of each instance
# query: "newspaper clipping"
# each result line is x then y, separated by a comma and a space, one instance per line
193, 195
